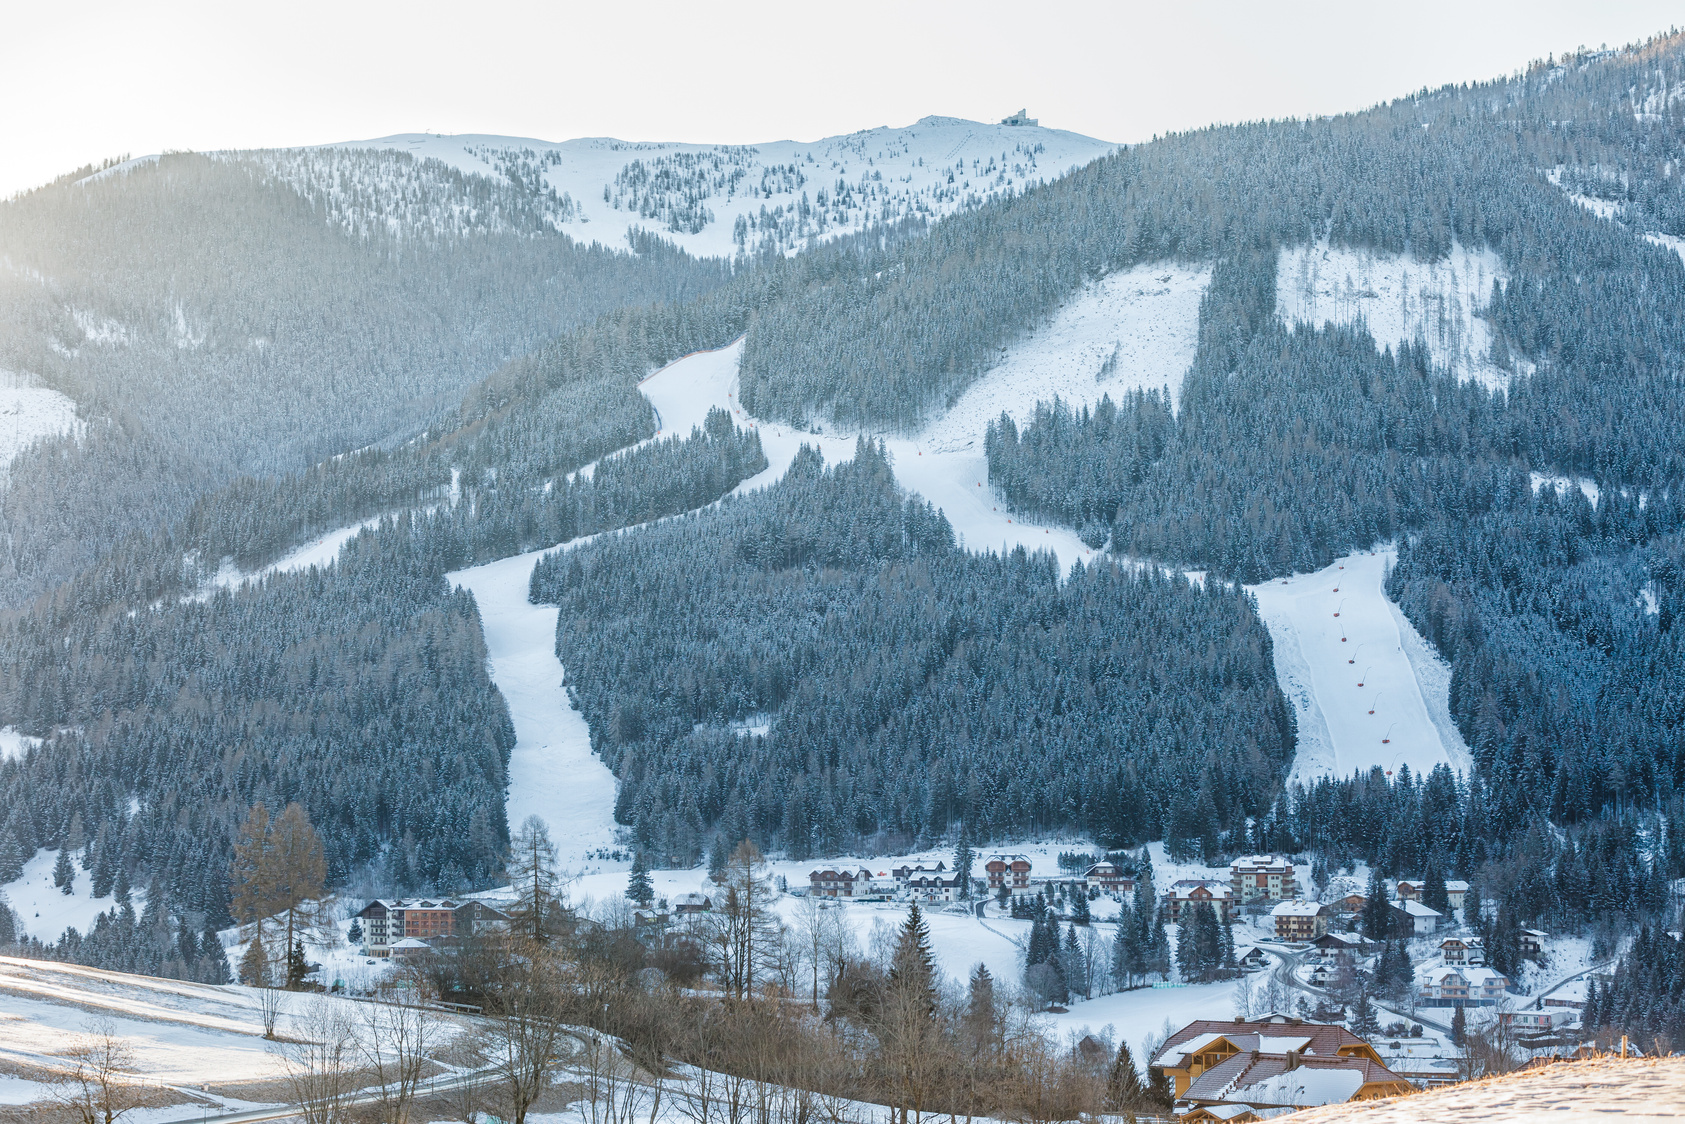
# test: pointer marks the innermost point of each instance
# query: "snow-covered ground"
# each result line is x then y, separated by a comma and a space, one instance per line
1142, 323
45, 910
1336, 669
1588, 487
14, 744
29, 412
552, 772
320, 552
783, 192
1400, 299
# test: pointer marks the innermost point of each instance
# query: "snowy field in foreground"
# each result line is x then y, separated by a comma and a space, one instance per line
1402, 679
29, 413
1399, 298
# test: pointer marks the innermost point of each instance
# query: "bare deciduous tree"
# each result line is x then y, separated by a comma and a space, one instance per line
394, 1048
95, 1084
524, 1035
321, 1061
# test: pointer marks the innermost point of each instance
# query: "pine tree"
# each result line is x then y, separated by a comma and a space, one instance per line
981, 1023
912, 968
1459, 1027
532, 876
297, 966
1123, 1084
1434, 894
639, 888
964, 858
64, 873
1377, 910
355, 933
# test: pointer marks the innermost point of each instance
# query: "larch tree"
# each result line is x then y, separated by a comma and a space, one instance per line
533, 877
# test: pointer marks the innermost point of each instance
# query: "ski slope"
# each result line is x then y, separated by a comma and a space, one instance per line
784, 193
1337, 669
28, 413
552, 772
1400, 299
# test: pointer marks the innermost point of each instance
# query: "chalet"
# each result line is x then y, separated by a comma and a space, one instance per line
934, 887
1299, 920
388, 921
1414, 918
1350, 905
1253, 960
691, 904
1535, 1022
1109, 878
1258, 1064
1463, 950
1533, 943
1460, 987
838, 883
1011, 871
1262, 876
1186, 891
1333, 941
1411, 889
906, 873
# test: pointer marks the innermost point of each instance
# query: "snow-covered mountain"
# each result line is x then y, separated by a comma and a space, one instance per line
715, 200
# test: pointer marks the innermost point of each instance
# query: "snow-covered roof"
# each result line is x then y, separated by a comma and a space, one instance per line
1227, 1111
411, 942
1173, 1055
1416, 909
1297, 909
1246, 862
1457, 886
1305, 1086
1280, 1044
1183, 888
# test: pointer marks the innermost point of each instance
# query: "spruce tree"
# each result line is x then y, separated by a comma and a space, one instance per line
639, 888
297, 966
964, 858
912, 968
1459, 1027
12, 858
1377, 910
1434, 894
64, 873
254, 966
1123, 1084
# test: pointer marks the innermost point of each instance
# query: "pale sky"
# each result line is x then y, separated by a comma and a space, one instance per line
99, 78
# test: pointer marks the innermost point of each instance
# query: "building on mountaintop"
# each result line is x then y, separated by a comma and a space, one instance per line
1018, 119
1262, 876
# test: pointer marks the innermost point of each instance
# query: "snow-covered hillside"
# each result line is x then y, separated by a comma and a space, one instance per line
29, 412
1366, 688
45, 910
715, 200
1400, 299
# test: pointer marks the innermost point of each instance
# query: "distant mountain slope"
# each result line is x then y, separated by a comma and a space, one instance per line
719, 200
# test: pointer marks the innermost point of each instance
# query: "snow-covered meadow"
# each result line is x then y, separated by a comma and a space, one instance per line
46, 911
